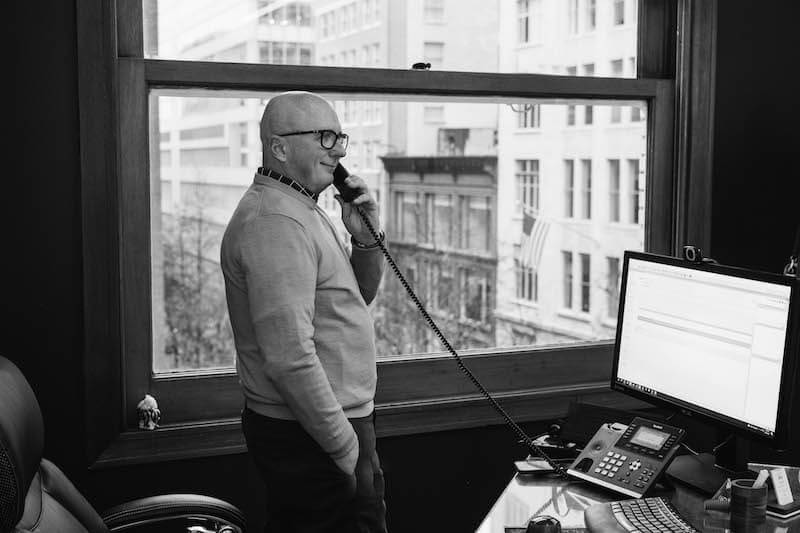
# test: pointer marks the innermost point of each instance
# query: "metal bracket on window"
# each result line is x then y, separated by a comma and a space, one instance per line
148, 413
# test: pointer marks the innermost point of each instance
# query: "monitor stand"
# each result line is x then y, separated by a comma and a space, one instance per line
699, 472
706, 472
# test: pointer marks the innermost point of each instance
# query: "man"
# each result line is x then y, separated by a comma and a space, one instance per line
304, 338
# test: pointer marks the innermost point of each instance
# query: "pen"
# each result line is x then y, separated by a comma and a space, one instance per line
762, 477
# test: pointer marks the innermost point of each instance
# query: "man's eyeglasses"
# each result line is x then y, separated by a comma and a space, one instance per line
327, 138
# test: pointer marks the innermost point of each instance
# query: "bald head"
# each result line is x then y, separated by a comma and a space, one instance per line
300, 156
292, 111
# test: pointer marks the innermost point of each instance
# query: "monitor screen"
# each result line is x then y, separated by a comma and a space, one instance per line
705, 339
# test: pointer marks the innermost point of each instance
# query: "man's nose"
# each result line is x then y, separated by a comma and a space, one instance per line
338, 149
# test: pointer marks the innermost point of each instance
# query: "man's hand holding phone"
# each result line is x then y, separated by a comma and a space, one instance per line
362, 199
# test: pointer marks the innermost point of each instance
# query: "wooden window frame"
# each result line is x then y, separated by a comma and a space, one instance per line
414, 394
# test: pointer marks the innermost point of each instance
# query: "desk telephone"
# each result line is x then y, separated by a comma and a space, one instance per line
627, 459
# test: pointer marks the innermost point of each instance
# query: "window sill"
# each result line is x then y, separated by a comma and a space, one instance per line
580, 316
529, 45
418, 395
529, 304
224, 437
609, 322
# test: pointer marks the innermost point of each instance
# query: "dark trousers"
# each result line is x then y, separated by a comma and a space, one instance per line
306, 491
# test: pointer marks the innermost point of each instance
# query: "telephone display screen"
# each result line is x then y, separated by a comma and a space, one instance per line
649, 438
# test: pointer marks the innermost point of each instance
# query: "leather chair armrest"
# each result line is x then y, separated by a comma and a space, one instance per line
146, 512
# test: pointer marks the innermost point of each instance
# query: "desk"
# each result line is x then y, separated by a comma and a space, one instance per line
526, 496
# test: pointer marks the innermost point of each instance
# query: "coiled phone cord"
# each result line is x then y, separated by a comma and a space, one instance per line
523, 437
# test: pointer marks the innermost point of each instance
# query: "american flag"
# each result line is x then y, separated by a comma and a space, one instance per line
534, 233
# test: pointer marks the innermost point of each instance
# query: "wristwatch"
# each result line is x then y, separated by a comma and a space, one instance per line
361, 245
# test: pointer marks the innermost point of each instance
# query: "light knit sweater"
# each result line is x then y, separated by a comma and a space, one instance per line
298, 307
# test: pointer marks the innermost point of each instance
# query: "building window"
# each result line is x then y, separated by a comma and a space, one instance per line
571, 71
612, 286
408, 214
569, 188
586, 168
616, 72
527, 282
586, 284
434, 11
566, 263
613, 190
447, 295
476, 211
588, 117
591, 14
433, 53
208, 132
477, 295
636, 193
529, 116
376, 53
442, 218
523, 21
572, 17
452, 141
527, 185
205, 157
619, 12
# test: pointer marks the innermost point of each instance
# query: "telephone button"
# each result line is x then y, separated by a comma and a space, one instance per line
624, 458
616, 456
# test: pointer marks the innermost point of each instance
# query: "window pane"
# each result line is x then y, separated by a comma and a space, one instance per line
481, 213
515, 35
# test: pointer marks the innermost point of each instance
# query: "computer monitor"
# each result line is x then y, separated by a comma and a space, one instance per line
710, 341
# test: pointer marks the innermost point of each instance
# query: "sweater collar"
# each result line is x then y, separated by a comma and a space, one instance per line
286, 180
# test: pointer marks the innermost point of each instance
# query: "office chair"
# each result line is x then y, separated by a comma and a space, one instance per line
35, 496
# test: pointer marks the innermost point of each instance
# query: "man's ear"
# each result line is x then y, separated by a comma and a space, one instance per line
277, 147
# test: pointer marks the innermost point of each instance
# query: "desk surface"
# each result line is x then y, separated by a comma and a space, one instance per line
527, 496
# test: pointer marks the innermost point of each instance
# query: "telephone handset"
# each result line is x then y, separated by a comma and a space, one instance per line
628, 459
339, 175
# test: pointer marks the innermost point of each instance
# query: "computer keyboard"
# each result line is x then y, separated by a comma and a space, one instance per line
646, 515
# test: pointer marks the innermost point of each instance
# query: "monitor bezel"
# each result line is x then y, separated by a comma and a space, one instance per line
785, 397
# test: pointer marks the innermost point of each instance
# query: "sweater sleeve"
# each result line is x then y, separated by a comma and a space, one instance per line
280, 263
368, 267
